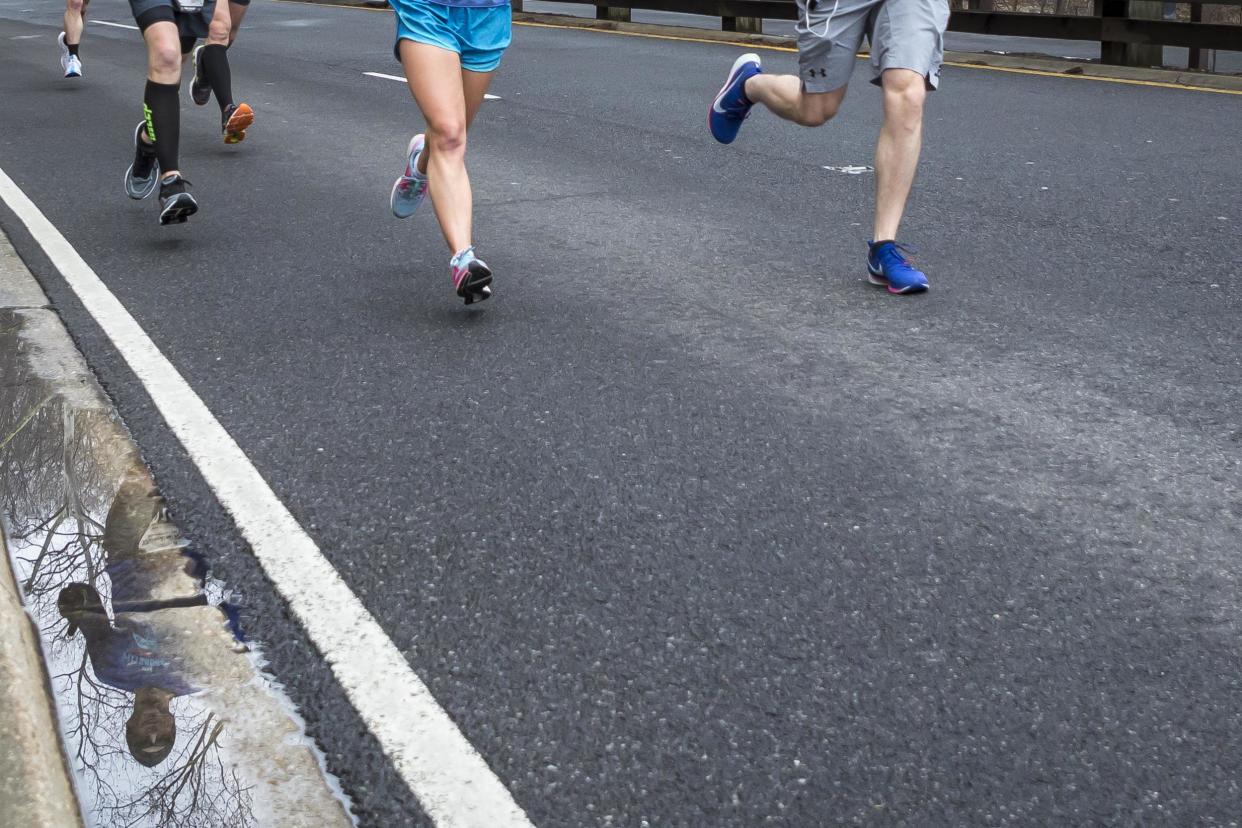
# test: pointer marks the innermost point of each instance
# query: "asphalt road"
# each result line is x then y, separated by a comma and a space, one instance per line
689, 525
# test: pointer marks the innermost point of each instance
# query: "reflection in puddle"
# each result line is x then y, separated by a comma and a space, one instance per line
164, 717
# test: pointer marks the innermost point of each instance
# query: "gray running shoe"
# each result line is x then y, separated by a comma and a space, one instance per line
200, 90
144, 173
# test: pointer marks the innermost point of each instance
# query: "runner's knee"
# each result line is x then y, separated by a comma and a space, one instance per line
447, 136
817, 110
219, 32
904, 95
75, 6
165, 59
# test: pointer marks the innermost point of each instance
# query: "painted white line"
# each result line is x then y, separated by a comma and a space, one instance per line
487, 96
382, 76
451, 780
117, 25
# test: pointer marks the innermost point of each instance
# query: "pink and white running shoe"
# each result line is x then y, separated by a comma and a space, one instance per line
411, 187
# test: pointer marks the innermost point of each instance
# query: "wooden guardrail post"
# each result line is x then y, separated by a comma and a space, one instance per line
620, 14
1112, 52
1145, 54
1202, 59
750, 25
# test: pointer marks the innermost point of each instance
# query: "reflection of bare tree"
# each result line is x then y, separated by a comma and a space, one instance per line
53, 490
199, 790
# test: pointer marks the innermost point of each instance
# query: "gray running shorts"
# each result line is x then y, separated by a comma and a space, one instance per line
904, 34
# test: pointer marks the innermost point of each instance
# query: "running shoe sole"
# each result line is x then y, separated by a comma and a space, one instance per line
476, 287
240, 121
749, 57
879, 281
140, 188
409, 162
179, 208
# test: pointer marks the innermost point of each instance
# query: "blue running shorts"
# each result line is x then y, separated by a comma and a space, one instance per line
480, 34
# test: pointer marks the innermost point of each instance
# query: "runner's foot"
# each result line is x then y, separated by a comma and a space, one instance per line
731, 106
144, 173
888, 267
176, 203
411, 188
200, 89
71, 64
237, 119
472, 278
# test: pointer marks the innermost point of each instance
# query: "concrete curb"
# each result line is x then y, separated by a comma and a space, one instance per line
57, 425
36, 786
1031, 63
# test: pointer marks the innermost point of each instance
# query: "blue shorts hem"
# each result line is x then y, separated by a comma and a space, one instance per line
469, 64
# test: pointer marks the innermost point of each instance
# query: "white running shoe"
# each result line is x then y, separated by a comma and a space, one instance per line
71, 64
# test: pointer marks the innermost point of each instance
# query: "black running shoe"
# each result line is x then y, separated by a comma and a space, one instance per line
472, 278
176, 203
144, 173
200, 89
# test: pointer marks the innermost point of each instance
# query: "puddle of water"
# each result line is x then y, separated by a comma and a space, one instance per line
165, 718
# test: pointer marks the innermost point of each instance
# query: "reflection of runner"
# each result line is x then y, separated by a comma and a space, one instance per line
71, 38
906, 38
212, 74
137, 651
131, 654
449, 50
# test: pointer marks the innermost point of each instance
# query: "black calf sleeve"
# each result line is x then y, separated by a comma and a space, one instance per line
162, 108
215, 65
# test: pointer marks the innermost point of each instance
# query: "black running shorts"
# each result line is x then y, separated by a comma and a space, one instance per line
191, 25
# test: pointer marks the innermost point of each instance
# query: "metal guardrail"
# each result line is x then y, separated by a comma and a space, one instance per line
1114, 25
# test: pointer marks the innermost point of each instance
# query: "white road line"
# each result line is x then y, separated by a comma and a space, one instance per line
117, 25
382, 76
487, 96
451, 780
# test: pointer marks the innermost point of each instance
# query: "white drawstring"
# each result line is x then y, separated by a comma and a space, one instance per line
807, 17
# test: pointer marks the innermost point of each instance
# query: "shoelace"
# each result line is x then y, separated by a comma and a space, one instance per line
896, 250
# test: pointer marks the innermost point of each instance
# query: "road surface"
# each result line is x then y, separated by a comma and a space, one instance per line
689, 525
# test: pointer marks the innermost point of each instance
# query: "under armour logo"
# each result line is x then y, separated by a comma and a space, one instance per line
823, 73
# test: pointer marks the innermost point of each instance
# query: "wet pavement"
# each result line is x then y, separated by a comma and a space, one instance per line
166, 717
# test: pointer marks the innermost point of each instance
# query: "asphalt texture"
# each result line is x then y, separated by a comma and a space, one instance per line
689, 525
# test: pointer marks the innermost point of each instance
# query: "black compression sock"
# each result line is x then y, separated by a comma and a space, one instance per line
72, 47
215, 65
161, 106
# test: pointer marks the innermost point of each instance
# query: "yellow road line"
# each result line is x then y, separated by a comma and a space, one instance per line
683, 38
1045, 73
1128, 81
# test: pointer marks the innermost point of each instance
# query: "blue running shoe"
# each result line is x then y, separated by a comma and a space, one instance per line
731, 106
888, 267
